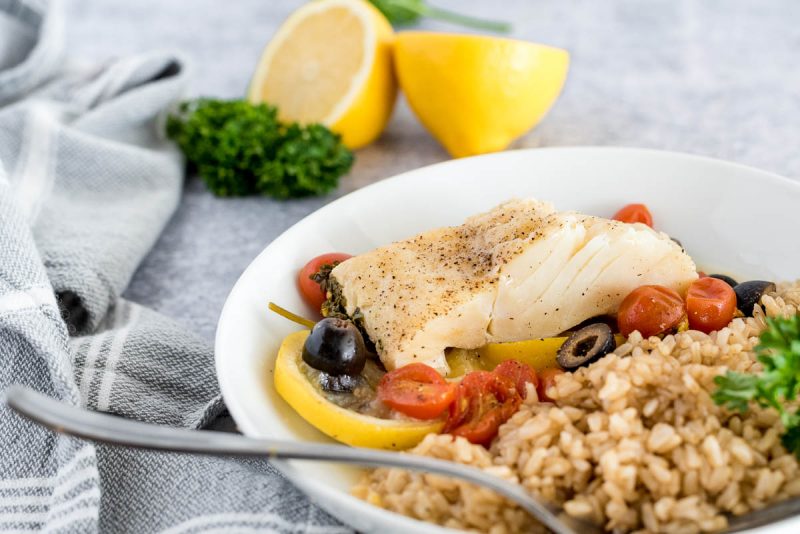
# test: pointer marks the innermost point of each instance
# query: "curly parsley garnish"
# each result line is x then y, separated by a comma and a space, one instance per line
239, 149
777, 385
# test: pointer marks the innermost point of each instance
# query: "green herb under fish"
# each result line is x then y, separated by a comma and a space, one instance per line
335, 305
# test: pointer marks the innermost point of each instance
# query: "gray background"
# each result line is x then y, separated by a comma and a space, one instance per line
718, 78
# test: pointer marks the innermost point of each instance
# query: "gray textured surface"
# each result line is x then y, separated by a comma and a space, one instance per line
718, 78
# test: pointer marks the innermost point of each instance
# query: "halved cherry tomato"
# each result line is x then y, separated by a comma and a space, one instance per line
416, 390
310, 290
652, 310
634, 213
547, 377
477, 412
711, 304
485, 400
519, 374
469, 394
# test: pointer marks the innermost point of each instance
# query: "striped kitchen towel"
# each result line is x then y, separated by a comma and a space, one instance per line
87, 183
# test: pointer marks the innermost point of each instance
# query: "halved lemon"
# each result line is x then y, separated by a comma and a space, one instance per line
331, 62
476, 93
339, 423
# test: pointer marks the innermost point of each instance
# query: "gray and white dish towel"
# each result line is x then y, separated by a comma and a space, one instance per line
87, 183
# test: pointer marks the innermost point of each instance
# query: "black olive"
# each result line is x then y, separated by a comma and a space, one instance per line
585, 346
338, 383
725, 278
678, 243
335, 347
749, 293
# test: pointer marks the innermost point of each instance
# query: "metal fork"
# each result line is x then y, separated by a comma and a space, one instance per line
114, 430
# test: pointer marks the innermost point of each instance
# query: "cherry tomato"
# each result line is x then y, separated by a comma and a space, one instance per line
477, 412
634, 213
519, 376
711, 304
416, 390
547, 377
485, 400
309, 289
652, 310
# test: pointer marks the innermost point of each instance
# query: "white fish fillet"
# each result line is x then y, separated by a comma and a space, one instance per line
520, 271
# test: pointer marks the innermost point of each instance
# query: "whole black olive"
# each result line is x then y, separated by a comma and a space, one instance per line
585, 346
335, 347
749, 293
725, 278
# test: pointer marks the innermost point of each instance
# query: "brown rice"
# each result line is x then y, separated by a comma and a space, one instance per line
633, 442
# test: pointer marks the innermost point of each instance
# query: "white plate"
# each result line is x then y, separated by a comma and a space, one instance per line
729, 217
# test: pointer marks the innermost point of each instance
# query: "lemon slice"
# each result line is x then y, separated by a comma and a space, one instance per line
476, 93
331, 62
339, 423
538, 353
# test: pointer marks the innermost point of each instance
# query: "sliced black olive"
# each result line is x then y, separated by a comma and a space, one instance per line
336, 347
585, 346
749, 293
678, 243
338, 383
725, 278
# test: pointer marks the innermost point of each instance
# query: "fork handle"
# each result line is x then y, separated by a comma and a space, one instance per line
114, 430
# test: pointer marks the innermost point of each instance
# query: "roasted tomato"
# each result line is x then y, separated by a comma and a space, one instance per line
310, 289
518, 374
652, 310
485, 400
547, 377
416, 390
711, 304
634, 213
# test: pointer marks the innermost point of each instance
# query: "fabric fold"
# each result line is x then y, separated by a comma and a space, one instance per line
94, 176
87, 183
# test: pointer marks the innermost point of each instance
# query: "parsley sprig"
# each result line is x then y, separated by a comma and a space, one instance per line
239, 149
777, 385
403, 12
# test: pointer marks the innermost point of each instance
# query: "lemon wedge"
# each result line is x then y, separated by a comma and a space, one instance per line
341, 424
476, 93
331, 62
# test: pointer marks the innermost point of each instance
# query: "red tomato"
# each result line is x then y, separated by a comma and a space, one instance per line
711, 304
477, 412
485, 400
309, 289
652, 310
634, 213
519, 375
416, 390
547, 377
482, 428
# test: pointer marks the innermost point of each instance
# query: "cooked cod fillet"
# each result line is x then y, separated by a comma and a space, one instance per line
520, 271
